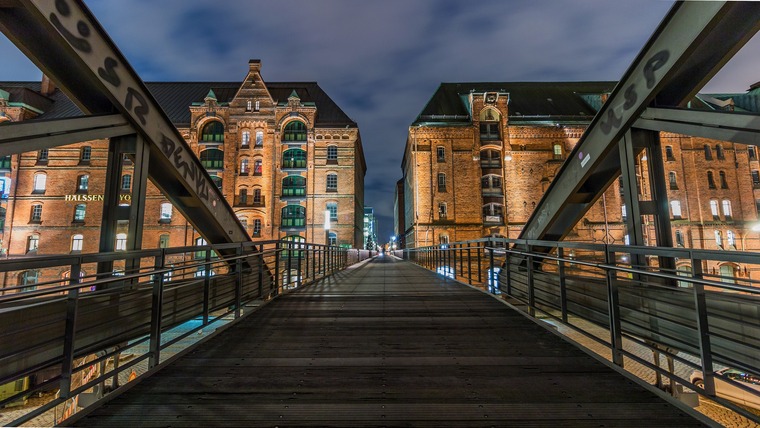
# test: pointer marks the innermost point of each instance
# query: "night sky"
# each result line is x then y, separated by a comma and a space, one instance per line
381, 61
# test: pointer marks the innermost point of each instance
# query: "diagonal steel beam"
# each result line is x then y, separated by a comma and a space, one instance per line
691, 44
742, 128
67, 43
31, 135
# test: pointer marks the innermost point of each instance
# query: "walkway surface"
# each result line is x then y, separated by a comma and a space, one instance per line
387, 344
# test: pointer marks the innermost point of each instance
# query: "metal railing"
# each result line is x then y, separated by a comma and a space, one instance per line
66, 333
702, 317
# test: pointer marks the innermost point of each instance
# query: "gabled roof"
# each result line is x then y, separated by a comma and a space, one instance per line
177, 97
526, 99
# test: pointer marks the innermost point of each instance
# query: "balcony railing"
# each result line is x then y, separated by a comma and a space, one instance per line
249, 201
293, 192
293, 222
493, 219
490, 163
294, 163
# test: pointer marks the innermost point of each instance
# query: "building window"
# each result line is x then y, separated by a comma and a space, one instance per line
710, 180
675, 206
727, 209
212, 159
623, 212
42, 156
257, 106
32, 243
36, 213
714, 209
294, 131
755, 178
443, 211
679, 238
85, 154
77, 241
333, 208
243, 220
163, 241
731, 238
332, 182
672, 179
293, 216
258, 168
121, 242
443, 239
491, 183
217, 180
83, 183
719, 152
708, 152
718, 239
489, 125
246, 140
259, 138
126, 182
166, 213
332, 154
40, 182
294, 185
752, 152
256, 227
627, 239
332, 238
669, 153
242, 197
296, 158
723, 182
257, 196
557, 151
441, 153
249, 105
244, 166
213, 132
29, 280
490, 159
79, 212
493, 213
441, 182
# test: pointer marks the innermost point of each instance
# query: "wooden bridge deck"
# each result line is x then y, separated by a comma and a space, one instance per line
387, 344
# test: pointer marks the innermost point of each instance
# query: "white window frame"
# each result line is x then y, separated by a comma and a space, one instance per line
121, 242
77, 242
40, 182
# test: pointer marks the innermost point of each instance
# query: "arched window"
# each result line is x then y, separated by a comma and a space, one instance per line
258, 106
333, 208
719, 152
714, 209
557, 151
443, 239
672, 180
213, 132
718, 239
245, 141
32, 243
166, 213
679, 238
731, 238
441, 182
669, 153
710, 179
294, 158
294, 131
293, 185
490, 158
708, 152
675, 207
243, 220
242, 198
259, 138
443, 211
728, 273
212, 159
257, 196
727, 209
121, 242
126, 182
77, 241
332, 182
40, 182
83, 183
440, 154
332, 154
256, 227
163, 241
217, 180
489, 124
293, 216
36, 213
249, 105
332, 238
244, 166
491, 183
85, 154
258, 168
723, 182
79, 212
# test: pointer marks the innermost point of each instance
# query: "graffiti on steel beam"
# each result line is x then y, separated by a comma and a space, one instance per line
73, 27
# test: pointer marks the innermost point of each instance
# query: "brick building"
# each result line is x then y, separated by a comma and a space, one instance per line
283, 153
479, 157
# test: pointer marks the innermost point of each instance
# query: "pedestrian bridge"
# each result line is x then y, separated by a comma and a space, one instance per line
387, 343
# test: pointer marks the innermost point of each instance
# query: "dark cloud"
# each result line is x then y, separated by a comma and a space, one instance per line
381, 61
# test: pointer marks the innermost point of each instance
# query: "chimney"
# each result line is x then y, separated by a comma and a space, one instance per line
47, 87
254, 65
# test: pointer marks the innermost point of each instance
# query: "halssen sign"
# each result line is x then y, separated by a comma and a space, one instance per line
85, 198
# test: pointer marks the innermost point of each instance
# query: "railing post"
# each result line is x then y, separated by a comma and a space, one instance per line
72, 308
705, 348
453, 258
613, 299
290, 264
324, 261
306, 260
531, 284
206, 286
562, 283
461, 261
156, 312
508, 267
491, 274
469, 264
313, 263
277, 268
261, 271
239, 280
480, 268
299, 271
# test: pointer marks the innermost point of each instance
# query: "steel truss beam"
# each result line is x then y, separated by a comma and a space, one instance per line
31, 135
691, 44
67, 43
742, 128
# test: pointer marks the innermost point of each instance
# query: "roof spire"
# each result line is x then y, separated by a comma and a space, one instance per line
294, 95
211, 95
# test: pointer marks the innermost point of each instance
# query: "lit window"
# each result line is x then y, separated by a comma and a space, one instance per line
166, 212
256, 227
213, 132
259, 138
83, 183
714, 208
212, 159
333, 208
121, 241
442, 210
294, 131
86, 154
126, 182
40, 182
249, 105
258, 169
675, 206
77, 241
557, 151
246, 139
332, 182
243, 166
258, 105
443, 239
627, 240
33, 243
36, 213
718, 238
624, 212
727, 208
730, 238
163, 241
79, 212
